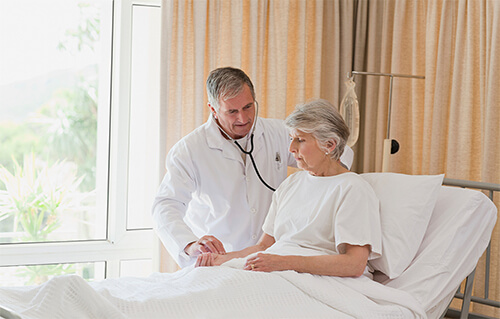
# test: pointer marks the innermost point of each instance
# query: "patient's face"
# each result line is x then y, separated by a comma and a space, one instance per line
309, 155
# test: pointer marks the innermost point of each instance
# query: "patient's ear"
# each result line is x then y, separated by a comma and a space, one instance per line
331, 145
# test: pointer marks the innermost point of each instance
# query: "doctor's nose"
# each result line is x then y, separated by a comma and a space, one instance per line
242, 117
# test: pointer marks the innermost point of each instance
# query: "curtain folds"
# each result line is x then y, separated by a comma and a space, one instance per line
292, 50
463, 103
296, 50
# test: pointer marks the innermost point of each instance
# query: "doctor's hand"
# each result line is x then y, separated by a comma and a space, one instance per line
206, 244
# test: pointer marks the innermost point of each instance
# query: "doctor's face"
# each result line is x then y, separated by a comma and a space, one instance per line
236, 115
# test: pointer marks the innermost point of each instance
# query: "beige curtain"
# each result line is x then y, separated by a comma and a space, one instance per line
389, 34
463, 79
294, 50
448, 123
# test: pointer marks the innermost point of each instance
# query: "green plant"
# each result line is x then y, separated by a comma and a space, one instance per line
68, 123
16, 140
36, 194
87, 33
35, 198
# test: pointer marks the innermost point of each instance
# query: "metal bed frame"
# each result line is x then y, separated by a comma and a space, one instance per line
466, 295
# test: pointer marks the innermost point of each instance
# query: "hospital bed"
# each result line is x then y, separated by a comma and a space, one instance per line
466, 294
455, 224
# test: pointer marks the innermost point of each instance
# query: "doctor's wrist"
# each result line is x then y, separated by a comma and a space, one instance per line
187, 251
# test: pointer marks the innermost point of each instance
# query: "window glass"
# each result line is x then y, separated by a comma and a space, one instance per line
38, 274
54, 106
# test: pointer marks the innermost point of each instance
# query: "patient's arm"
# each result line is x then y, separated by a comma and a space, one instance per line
352, 263
209, 259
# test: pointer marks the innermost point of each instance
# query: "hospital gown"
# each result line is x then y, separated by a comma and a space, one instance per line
318, 215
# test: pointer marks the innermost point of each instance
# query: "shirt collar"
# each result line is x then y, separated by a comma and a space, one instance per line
215, 139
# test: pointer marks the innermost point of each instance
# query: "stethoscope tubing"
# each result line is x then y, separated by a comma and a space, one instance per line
249, 153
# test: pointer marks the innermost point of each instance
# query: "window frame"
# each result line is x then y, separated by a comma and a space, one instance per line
120, 243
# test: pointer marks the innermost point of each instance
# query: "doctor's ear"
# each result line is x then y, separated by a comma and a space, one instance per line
214, 113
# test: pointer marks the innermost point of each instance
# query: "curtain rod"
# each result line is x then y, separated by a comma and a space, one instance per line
350, 74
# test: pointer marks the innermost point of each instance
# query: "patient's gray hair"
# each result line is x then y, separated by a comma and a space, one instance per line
226, 83
321, 119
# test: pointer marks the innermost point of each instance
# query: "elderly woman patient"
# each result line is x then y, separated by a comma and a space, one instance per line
324, 219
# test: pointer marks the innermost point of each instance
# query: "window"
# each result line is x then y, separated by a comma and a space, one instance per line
79, 89
144, 109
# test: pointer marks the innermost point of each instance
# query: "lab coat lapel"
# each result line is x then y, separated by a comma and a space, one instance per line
215, 140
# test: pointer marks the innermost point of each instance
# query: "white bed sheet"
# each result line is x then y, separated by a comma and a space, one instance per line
212, 292
459, 232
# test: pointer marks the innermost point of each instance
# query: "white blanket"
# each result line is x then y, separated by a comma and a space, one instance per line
212, 292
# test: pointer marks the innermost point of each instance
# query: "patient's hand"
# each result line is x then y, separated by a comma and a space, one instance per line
210, 259
268, 263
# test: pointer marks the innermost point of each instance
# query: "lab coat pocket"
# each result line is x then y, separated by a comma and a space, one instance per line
278, 161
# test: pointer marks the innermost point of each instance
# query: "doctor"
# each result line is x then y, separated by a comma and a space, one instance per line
220, 177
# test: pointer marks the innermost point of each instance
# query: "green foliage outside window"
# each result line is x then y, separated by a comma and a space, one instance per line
36, 196
48, 161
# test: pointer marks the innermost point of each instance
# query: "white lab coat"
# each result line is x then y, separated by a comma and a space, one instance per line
209, 190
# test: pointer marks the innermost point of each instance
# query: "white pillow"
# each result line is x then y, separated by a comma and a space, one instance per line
406, 204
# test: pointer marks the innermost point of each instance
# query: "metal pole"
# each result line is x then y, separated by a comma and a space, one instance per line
389, 109
387, 141
391, 76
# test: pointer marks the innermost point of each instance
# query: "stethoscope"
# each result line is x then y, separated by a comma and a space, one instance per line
249, 153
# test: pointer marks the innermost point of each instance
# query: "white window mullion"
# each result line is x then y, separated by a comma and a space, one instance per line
104, 112
121, 142
133, 246
120, 117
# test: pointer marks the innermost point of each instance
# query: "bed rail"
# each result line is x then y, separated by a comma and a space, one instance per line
466, 295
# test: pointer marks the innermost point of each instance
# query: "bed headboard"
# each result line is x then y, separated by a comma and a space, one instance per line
466, 295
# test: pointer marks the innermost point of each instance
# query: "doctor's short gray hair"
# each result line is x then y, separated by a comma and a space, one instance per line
226, 83
321, 119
